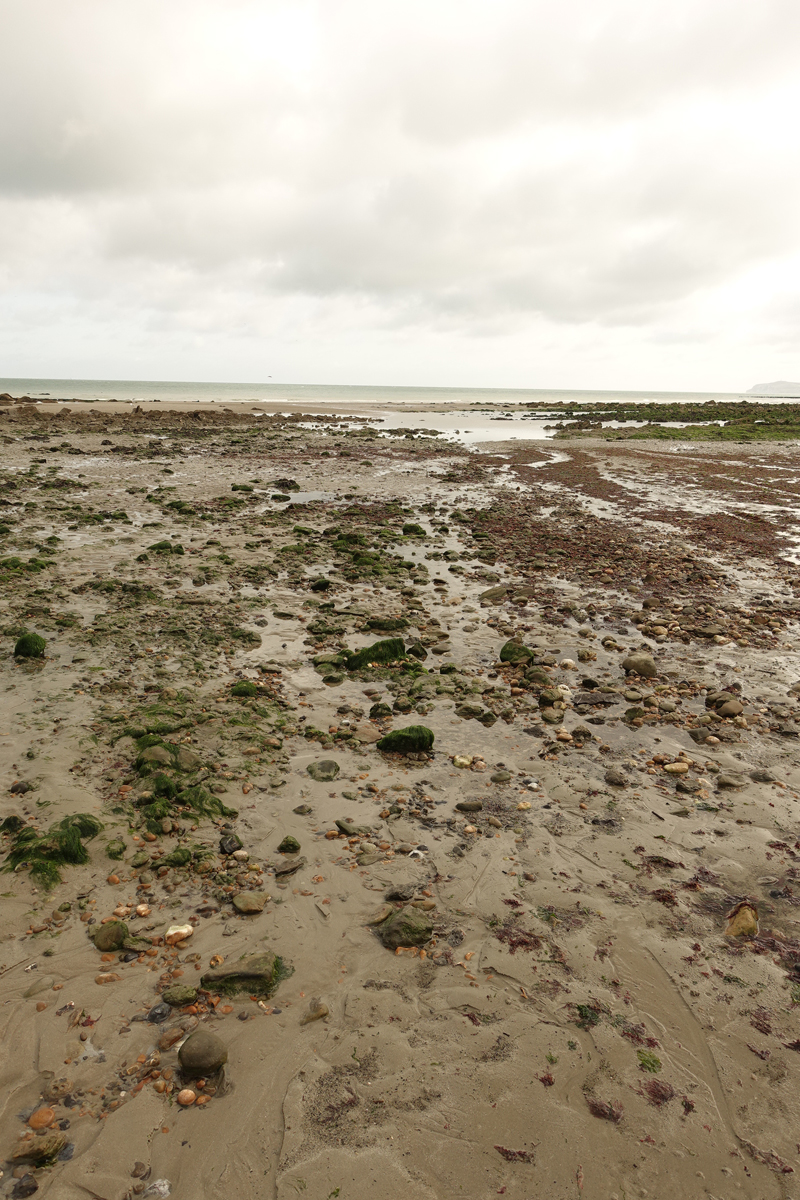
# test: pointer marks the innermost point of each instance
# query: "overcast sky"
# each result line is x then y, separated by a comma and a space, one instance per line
520, 193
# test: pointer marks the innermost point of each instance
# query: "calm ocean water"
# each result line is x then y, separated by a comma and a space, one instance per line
334, 394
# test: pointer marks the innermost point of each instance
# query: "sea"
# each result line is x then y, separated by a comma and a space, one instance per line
467, 415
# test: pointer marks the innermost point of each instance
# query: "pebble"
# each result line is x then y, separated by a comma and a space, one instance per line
186, 1097
41, 1118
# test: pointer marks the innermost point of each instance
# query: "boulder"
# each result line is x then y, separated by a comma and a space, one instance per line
110, 937
202, 1054
514, 652
640, 664
323, 771
408, 927
255, 974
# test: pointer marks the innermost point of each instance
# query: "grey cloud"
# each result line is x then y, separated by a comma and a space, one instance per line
459, 165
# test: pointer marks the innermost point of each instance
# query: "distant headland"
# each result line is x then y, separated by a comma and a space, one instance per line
781, 388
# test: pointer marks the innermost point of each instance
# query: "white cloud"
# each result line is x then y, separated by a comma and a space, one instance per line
470, 192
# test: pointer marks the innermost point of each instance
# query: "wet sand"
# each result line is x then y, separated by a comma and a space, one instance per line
577, 1023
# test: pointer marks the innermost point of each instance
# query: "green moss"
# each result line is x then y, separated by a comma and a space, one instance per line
289, 845
204, 803
414, 739
389, 623
116, 848
30, 645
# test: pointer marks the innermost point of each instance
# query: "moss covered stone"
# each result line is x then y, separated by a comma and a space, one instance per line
414, 739
408, 927
379, 652
289, 845
30, 645
514, 652
244, 688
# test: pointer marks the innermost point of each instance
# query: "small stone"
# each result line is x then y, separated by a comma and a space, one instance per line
731, 708
640, 664
229, 842
107, 977
41, 1118
186, 1097
178, 933
110, 936
408, 927
26, 1185
731, 779
462, 761
470, 806
763, 775
250, 902
179, 994
158, 1013
742, 921
323, 771
500, 777
615, 777
303, 810
289, 845
202, 1054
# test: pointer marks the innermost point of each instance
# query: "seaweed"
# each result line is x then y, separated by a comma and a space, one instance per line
44, 853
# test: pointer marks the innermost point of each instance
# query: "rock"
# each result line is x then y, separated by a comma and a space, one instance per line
303, 810
40, 1150
369, 858
742, 920
514, 652
413, 739
353, 830
763, 775
469, 712
500, 777
30, 645
289, 845
687, 786
731, 708
323, 771
255, 973
462, 761
553, 716
185, 1097
159, 1012
229, 842
401, 891
156, 754
470, 806
316, 1011
110, 937
367, 734
494, 594
640, 664
250, 902
187, 760
676, 768
732, 779
203, 1053
179, 994
26, 1185
615, 777
408, 927
289, 866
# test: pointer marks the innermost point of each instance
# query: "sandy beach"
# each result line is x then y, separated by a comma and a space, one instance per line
259, 942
